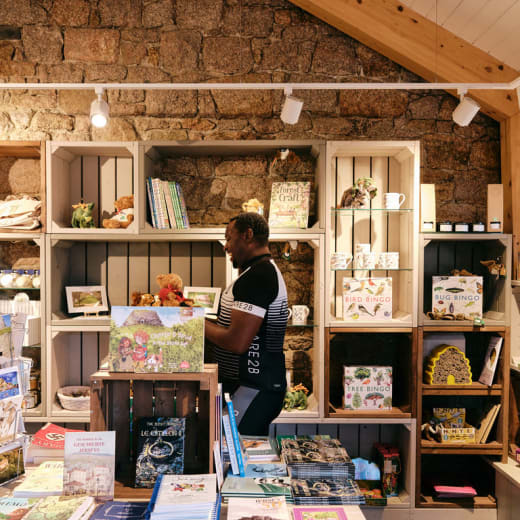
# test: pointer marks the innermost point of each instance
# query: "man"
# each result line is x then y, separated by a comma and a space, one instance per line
248, 336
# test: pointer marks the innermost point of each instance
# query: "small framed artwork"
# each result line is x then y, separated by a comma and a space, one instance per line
207, 297
87, 299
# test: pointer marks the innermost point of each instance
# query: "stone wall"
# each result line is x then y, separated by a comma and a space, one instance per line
227, 40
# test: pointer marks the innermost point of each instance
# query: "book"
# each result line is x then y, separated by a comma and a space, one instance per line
454, 491
289, 206
162, 339
160, 448
184, 209
272, 508
169, 204
178, 492
11, 397
259, 447
89, 467
12, 508
118, 510
60, 508
175, 204
151, 202
256, 487
269, 469
48, 443
160, 210
486, 424
319, 513
491, 361
230, 444
236, 437
44, 480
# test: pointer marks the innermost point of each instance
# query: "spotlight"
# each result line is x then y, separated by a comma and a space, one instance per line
99, 110
291, 108
466, 110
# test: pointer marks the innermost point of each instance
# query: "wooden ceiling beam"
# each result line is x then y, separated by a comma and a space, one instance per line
421, 46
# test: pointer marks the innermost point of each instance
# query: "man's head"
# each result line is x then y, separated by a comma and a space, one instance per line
247, 236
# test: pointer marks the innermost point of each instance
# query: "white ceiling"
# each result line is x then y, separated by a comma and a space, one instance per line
491, 25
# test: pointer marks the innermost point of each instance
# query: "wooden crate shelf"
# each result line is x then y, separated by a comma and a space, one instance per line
488, 502
490, 448
475, 389
395, 413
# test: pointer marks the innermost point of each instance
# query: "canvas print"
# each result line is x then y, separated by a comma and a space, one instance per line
289, 205
87, 299
367, 299
89, 464
458, 295
367, 387
206, 297
160, 448
157, 339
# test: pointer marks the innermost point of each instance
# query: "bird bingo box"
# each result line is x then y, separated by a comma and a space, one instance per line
367, 299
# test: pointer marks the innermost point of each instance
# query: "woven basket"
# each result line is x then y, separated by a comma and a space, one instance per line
69, 402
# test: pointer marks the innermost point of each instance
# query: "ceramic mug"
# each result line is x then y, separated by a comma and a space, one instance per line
359, 251
392, 260
340, 260
393, 200
369, 260
299, 314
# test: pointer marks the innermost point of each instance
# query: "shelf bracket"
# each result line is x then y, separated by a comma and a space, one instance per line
315, 243
222, 242
38, 241
408, 426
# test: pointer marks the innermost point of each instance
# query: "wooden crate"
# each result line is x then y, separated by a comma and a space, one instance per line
110, 410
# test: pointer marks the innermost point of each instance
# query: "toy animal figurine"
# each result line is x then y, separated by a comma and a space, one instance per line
82, 215
124, 214
296, 398
359, 195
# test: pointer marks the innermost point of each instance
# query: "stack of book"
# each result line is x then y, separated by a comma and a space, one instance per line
184, 496
48, 443
167, 205
466, 491
265, 487
326, 492
316, 459
260, 448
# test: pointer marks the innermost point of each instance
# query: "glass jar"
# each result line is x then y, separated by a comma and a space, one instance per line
23, 279
462, 227
8, 278
445, 227
36, 279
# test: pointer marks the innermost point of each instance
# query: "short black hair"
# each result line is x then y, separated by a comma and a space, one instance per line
257, 223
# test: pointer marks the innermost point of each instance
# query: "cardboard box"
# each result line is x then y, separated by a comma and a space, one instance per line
367, 299
367, 388
458, 295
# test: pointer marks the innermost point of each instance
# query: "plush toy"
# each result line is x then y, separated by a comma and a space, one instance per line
296, 398
170, 292
359, 195
140, 299
124, 214
82, 215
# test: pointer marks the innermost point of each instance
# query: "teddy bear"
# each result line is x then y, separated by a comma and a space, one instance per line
140, 299
170, 289
124, 214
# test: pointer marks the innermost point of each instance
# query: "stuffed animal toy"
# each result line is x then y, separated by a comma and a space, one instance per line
124, 214
140, 299
170, 292
359, 195
82, 215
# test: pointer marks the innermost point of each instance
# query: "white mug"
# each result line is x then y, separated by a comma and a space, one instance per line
340, 260
393, 200
369, 260
388, 260
299, 314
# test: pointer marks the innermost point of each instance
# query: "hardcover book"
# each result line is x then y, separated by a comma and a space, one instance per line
89, 464
47, 443
60, 508
319, 513
491, 361
269, 469
160, 448
157, 339
367, 387
256, 487
12, 508
118, 510
289, 205
45, 480
367, 299
458, 295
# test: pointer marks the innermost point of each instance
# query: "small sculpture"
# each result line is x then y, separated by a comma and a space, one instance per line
82, 215
124, 214
359, 195
254, 206
296, 398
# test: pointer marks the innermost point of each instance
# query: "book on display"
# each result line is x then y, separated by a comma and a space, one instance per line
273, 508
45, 480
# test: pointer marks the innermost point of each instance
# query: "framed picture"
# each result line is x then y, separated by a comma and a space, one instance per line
207, 297
87, 299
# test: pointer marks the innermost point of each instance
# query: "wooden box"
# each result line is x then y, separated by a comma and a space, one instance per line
181, 395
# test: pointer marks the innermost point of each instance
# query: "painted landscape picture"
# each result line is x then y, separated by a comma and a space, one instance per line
157, 339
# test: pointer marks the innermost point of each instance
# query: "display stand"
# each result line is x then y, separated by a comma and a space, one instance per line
176, 395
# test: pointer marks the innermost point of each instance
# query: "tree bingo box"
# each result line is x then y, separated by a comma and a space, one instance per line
367, 387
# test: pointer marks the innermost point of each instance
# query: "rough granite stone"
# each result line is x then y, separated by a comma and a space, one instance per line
42, 44
92, 45
62, 73
335, 56
485, 154
373, 103
158, 13
243, 103
120, 13
199, 14
171, 102
75, 101
446, 151
20, 12
179, 51
19, 176
70, 13
50, 121
117, 129
21, 255
226, 55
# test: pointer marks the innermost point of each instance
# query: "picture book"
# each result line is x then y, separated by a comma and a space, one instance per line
160, 448
60, 508
177, 491
42, 481
319, 513
326, 491
12, 508
266, 469
119, 510
289, 205
256, 487
47, 443
450, 417
260, 447
491, 361
157, 339
89, 464
367, 299
11, 398
458, 295
271, 508
486, 424
367, 387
